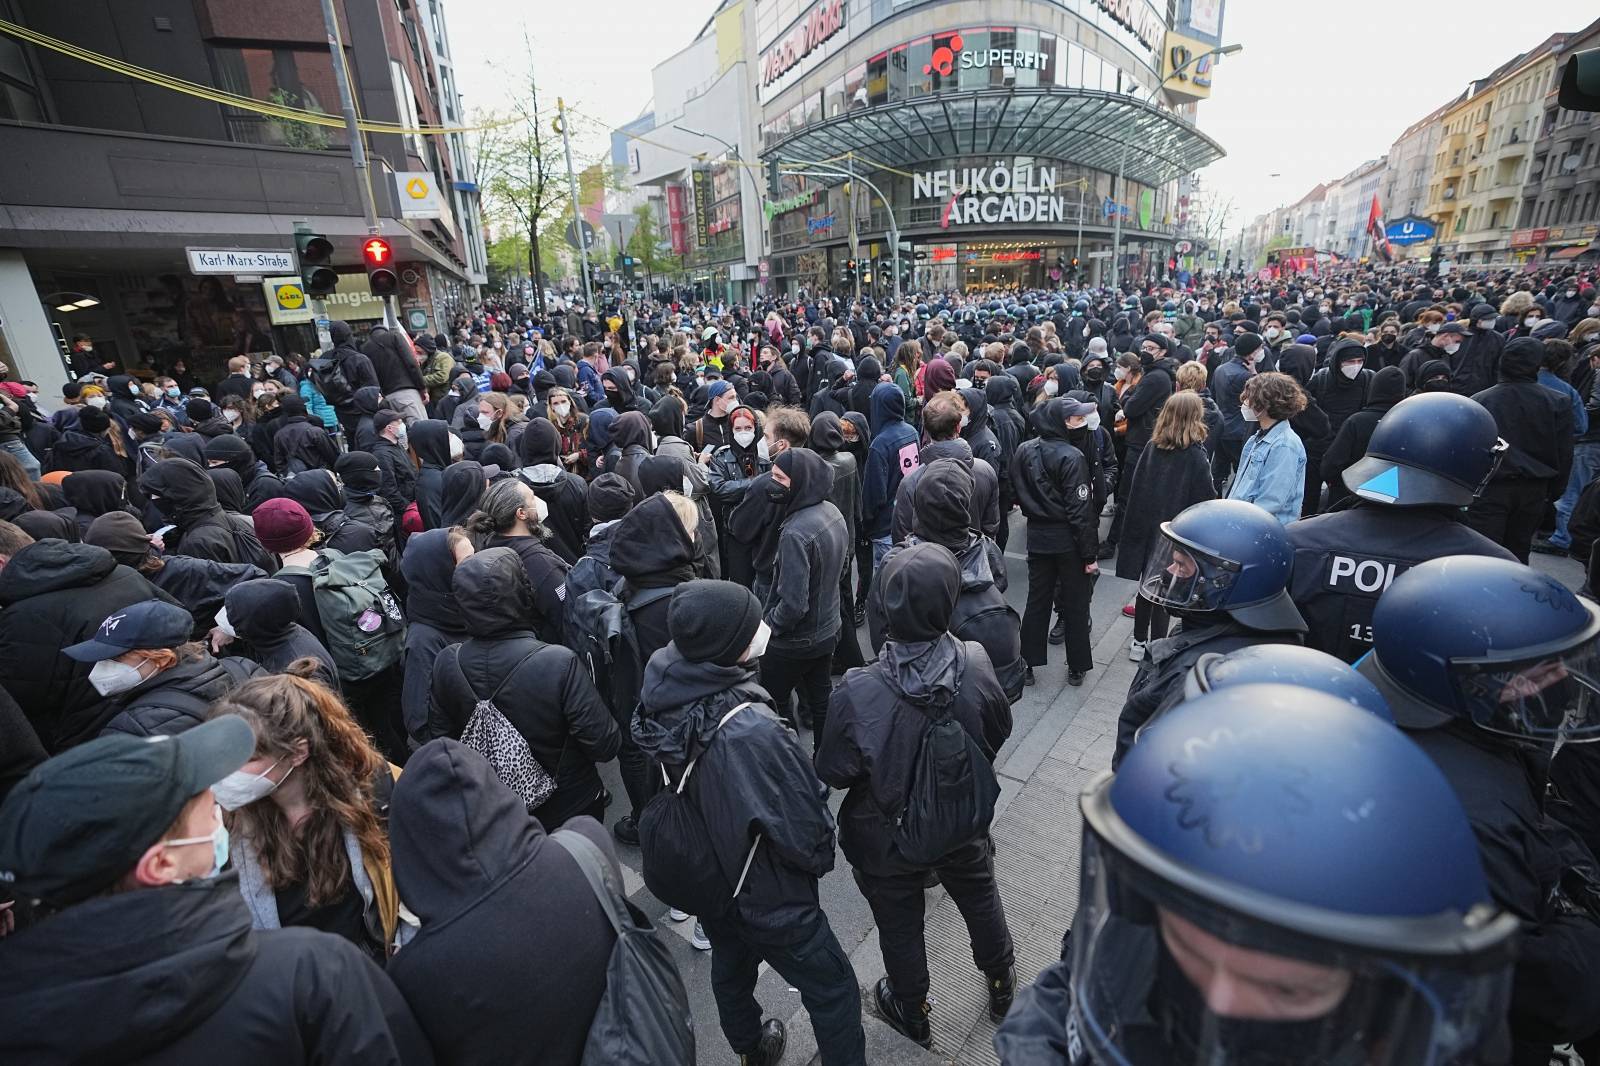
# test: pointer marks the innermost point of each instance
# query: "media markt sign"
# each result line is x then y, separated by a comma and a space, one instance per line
1015, 191
418, 193
240, 260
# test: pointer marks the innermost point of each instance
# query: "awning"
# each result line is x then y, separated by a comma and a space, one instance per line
1573, 252
1080, 126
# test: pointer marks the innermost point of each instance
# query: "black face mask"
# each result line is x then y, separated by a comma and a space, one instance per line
1095, 375
777, 493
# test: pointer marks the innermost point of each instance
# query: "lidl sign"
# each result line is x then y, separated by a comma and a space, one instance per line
352, 300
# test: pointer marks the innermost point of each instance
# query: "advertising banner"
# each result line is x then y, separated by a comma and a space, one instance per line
702, 208
675, 226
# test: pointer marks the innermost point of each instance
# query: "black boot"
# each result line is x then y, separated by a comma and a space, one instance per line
1058, 632
1002, 989
770, 1049
908, 1019
626, 830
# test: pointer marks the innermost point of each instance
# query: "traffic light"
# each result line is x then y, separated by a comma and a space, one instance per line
849, 269
379, 257
317, 276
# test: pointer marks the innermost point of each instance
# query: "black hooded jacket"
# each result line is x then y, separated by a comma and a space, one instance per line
430, 440
1534, 420
260, 484
461, 491
622, 398
174, 974
188, 499
52, 595
802, 604
1054, 487
751, 777
651, 551
985, 493
502, 907
562, 491
1350, 443
175, 701
827, 440
323, 499
631, 434
879, 712
358, 369
543, 690
263, 613
397, 477
302, 442
393, 360
93, 493
433, 621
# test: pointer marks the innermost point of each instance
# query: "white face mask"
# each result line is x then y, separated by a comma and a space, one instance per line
457, 449
541, 509
744, 437
1433, 327
1350, 370
240, 789
1119, 373
230, 414
258, 393
1486, 323
1531, 321
1451, 349
758, 644
1093, 421
223, 624
560, 409
1248, 413
401, 438
1272, 332
763, 449
1051, 386
110, 677
966, 420
96, 401
794, 348
485, 421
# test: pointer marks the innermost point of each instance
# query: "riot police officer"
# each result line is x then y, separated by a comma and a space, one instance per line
1273, 876
1429, 457
1488, 664
1223, 567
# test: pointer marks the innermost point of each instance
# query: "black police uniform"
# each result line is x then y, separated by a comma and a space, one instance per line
1343, 560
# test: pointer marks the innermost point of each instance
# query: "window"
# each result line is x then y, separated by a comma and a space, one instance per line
919, 57
855, 87
19, 99
833, 98
1091, 71
975, 77
1002, 39
1071, 67
878, 79
1027, 74
897, 74
294, 77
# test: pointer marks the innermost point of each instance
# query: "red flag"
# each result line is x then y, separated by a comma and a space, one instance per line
1380, 243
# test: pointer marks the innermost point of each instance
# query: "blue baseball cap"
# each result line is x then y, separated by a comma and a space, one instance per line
151, 624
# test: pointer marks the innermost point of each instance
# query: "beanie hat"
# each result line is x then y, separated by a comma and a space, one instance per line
610, 496
713, 621
145, 422
1245, 343
119, 533
93, 421
359, 473
715, 389
282, 525
199, 410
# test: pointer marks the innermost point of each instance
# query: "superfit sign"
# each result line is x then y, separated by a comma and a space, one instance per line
820, 23
1004, 191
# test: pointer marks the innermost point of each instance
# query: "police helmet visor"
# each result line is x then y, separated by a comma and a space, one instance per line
1536, 695
1162, 976
1185, 576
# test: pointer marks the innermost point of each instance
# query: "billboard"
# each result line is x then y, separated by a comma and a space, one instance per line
1200, 19
675, 223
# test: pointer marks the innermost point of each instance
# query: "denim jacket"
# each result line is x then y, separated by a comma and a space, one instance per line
1272, 473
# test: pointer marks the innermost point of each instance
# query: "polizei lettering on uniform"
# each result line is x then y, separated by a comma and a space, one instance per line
1019, 192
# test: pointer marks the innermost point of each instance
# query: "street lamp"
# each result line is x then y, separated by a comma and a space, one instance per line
1122, 164
894, 226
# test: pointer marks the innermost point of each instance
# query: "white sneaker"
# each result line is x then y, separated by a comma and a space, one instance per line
679, 916
699, 941
1136, 651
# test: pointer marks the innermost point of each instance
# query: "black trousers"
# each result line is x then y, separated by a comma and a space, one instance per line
1130, 461
810, 676
847, 653
814, 964
1509, 513
1059, 579
1224, 461
897, 905
639, 776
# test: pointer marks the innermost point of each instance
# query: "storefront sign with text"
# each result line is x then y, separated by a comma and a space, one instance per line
823, 21
1004, 192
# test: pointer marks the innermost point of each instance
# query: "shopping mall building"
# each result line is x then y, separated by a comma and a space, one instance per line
991, 132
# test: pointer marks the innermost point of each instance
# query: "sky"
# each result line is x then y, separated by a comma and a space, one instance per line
1313, 95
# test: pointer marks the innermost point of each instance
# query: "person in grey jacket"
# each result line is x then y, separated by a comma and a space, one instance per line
802, 605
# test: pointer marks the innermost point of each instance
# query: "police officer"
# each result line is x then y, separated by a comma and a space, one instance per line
1273, 876
1487, 665
1221, 566
1429, 457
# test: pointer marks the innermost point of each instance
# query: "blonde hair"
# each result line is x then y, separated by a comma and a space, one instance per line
686, 510
1192, 375
1182, 422
1516, 303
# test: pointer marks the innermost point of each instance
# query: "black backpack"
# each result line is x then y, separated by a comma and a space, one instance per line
247, 547
328, 377
952, 795
680, 865
643, 1018
599, 628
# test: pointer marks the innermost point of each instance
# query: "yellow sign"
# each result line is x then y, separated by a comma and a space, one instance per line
1182, 72
289, 296
417, 189
351, 300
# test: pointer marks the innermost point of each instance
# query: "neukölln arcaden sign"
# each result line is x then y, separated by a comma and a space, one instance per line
995, 193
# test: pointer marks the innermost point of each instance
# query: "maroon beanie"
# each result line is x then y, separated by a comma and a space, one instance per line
282, 525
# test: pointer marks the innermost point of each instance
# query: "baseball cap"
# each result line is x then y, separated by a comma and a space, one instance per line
1070, 407
79, 821
1454, 327
151, 624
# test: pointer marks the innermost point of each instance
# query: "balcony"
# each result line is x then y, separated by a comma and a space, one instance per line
1513, 147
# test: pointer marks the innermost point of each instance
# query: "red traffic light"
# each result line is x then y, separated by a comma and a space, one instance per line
377, 251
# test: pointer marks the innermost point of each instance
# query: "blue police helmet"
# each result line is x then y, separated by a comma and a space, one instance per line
1286, 822
1224, 556
1489, 641
1285, 664
1434, 448
1082, 307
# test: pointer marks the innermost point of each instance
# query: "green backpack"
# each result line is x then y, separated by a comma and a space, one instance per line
363, 622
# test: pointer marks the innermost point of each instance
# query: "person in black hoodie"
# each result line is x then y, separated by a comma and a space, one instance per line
511, 516
562, 491
430, 442
302, 443
876, 725
397, 474
463, 485
361, 478
366, 403
1350, 443
261, 614
93, 493
319, 493
186, 497
608, 499
941, 509
631, 434
433, 618
357, 369
1537, 423
399, 376
87, 445
198, 585
941, 421
230, 490
766, 816
665, 473
498, 900
619, 392
20, 750
141, 928
232, 452
653, 549
541, 689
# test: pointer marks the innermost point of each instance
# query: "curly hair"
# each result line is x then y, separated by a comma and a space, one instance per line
1278, 396
341, 763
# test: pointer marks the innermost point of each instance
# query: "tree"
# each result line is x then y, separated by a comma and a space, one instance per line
508, 256
645, 246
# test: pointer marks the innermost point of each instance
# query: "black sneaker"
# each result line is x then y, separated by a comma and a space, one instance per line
626, 830
1107, 550
1027, 676
770, 1049
1002, 989
861, 613
1547, 547
1075, 678
910, 1020
1058, 632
